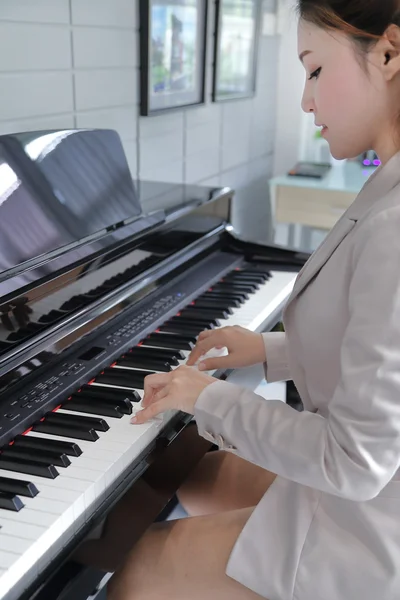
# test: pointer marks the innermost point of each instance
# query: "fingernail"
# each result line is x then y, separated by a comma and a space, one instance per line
134, 420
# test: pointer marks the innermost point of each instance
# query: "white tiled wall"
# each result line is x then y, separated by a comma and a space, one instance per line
75, 63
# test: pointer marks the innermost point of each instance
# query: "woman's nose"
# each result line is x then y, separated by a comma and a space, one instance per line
307, 102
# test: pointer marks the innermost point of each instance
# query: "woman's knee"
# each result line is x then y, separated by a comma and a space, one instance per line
223, 482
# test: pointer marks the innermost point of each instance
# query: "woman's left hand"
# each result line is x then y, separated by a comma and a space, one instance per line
178, 389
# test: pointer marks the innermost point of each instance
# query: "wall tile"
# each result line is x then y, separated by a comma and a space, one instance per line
122, 119
24, 47
156, 152
37, 124
39, 11
35, 94
202, 165
104, 48
110, 13
201, 138
102, 88
236, 153
210, 113
168, 172
161, 124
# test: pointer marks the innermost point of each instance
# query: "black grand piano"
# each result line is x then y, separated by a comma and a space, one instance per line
95, 293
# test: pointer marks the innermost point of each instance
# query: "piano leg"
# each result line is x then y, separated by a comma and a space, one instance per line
143, 502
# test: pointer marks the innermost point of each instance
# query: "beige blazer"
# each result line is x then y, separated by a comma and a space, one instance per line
329, 526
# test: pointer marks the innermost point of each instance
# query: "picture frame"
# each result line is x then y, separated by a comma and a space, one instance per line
236, 37
173, 37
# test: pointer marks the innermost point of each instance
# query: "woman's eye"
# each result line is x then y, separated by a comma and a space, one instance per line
315, 73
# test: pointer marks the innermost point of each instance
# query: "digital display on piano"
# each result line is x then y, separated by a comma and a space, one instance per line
59, 187
92, 353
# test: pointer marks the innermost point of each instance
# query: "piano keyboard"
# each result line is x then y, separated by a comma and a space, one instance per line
54, 476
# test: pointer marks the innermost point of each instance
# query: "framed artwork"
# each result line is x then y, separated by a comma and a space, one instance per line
172, 54
235, 48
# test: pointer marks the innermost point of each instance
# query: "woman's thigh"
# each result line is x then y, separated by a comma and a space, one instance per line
183, 559
223, 482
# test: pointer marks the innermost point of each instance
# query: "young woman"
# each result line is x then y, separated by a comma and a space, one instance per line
313, 512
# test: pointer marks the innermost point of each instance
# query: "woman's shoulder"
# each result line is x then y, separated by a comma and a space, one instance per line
378, 230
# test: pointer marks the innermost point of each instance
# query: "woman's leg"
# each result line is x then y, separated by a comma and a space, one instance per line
184, 559
223, 482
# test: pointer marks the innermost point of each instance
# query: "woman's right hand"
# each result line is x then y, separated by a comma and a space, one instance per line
244, 347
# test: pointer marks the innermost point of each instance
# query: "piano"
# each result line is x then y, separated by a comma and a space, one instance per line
96, 292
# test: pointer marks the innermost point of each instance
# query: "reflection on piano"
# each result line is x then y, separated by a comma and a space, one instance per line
86, 313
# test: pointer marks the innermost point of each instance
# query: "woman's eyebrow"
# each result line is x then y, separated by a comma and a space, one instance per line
304, 53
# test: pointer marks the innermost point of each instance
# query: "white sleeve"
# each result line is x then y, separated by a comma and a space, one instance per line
276, 367
355, 451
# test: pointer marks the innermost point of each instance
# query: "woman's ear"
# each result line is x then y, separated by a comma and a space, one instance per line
389, 49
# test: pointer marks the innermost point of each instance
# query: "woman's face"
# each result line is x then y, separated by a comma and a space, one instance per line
353, 104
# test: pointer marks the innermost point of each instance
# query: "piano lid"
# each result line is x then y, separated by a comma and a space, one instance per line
58, 187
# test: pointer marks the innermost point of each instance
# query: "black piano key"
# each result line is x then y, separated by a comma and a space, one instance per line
240, 295
66, 431
192, 318
230, 301
212, 313
36, 443
259, 271
166, 340
120, 398
180, 329
240, 298
224, 304
9, 501
42, 456
119, 377
87, 423
93, 408
196, 325
28, 467
173, 356
246, 278
20, 487
236, 287
135, 362
182, 338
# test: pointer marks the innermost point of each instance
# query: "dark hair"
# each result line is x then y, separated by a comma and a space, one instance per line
365, 21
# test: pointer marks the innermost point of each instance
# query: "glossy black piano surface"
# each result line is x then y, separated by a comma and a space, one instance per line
95, 293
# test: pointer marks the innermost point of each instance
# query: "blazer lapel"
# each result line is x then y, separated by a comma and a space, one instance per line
321, 255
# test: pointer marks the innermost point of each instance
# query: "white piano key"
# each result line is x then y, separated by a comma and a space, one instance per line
83, 444
7, 559
67, 484
14, 544
55, 493
23, 530
43, 541
46, 505
28, 516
